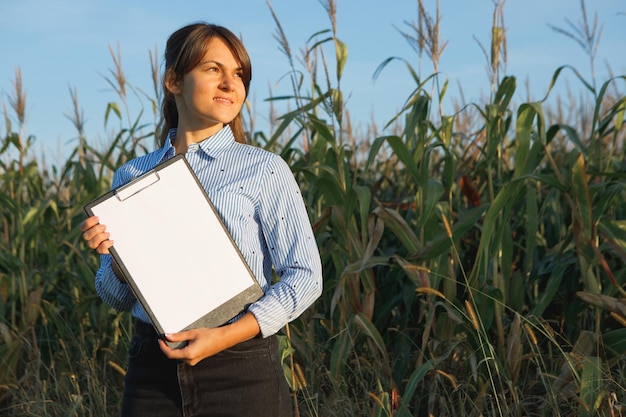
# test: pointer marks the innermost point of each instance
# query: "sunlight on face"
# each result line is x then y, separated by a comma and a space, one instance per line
212, 94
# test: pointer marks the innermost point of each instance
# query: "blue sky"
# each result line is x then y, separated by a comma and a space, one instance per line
63, 44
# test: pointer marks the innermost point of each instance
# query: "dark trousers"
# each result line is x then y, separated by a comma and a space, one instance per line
246, 380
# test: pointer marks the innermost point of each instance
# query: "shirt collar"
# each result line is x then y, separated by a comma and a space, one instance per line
213, 146
167, 150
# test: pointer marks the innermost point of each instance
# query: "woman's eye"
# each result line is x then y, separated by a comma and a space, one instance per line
212, 69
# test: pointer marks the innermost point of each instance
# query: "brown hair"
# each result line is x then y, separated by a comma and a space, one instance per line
184, 50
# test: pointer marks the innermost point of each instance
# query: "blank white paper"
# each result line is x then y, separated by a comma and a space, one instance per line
174, 246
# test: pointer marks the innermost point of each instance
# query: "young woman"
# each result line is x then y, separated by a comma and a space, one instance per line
234, 369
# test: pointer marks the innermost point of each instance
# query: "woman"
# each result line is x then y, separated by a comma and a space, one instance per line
232, 370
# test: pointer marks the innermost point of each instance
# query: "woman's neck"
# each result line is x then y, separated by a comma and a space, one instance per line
186, 137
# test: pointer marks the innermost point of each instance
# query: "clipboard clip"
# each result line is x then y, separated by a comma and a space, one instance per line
136, 186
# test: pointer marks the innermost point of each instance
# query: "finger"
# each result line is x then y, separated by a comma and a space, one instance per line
93, 231
165, 348
95, 238
103, 248
179, 338
182, 354
99, 241
88, 223
182, 336
199, 345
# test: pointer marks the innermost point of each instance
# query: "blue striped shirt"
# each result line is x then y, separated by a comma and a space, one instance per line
258, 199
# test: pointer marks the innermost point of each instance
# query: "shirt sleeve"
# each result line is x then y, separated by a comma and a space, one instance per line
292, 248
115, 293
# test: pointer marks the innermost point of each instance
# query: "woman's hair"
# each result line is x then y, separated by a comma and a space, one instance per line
184, 50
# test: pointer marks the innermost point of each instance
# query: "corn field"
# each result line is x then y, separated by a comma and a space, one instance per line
474, 262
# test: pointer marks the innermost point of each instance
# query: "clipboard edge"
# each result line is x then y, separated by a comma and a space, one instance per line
88, 209
253, 292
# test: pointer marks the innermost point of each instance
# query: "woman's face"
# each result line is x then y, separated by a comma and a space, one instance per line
212, 94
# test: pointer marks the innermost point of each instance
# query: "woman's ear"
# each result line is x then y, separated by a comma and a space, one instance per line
171, 84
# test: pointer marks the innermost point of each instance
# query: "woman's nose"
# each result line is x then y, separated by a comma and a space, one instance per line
228, 82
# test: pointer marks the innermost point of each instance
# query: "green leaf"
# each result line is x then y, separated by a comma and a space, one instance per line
341, 351
570, 133
416, 377
549, 180
599, 105
446, 131
375, 235
370, 331
524, 128
505, 92
620, 110
342, 56
112, 107
400, 228
365, 263
450, 169
614, 232
410, 270
553, 285
583, 201
404, 155
556, 74
433, 192
442, 242
374, 149
591, 383
532, 223
364, 197
499, 210
30, 215
615, 342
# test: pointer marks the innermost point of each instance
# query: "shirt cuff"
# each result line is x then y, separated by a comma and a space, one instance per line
270, 315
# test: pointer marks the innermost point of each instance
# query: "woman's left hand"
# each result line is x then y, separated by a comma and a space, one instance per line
203, 342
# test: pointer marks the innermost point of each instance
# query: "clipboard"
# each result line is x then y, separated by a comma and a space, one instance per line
174, 250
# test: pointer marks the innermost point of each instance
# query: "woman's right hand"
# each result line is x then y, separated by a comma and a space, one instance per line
95, 235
